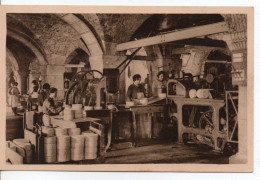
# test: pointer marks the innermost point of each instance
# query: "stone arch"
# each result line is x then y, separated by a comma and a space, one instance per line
11, 57
40, 56
89, 39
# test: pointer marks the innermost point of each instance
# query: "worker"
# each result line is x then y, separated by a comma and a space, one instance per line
50, 108
159, 85
135, 88
34, 93
44, 94
15, 97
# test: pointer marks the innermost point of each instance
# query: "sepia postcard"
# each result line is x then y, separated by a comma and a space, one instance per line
127, 88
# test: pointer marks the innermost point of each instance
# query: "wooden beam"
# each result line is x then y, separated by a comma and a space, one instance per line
175, 36
143, 58
190, 48
74, 65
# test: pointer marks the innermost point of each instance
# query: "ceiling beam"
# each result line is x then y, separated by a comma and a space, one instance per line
175, 36
190, 48
143, 58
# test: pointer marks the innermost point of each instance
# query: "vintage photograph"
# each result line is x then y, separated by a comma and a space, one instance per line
126, 88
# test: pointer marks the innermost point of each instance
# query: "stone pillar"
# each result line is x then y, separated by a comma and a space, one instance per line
22, 80
96, 63
241, 156
55, 78
194, 64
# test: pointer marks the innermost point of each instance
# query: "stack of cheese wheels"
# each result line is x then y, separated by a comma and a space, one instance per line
63, 148
61, 131
74, 131
50, 152
26, 145
68, 113
91, 144
48, 131
77, 147
78, 110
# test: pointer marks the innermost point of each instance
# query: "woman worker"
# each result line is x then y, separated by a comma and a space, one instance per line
15, 97
50, 108
159, 85
134, 88
44, 94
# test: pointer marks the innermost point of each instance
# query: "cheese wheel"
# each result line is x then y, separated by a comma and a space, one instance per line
78, 115
50, 150
193, 93
48, 131
77, 139
77, 150
50, 140
23, 143
50, 159
74, 131
63, 146
77, 157
61, 131
68, 114
63, 155
90, 156
90, 150
77, 145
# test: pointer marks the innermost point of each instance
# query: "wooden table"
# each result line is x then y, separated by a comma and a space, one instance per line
59, 121
151, 110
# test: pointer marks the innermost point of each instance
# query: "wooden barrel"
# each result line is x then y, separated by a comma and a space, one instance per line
91, 144
68, 114
48, 131
61, 131
74, 131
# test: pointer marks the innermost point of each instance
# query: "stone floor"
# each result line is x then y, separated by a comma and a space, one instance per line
147, 151
166, 152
